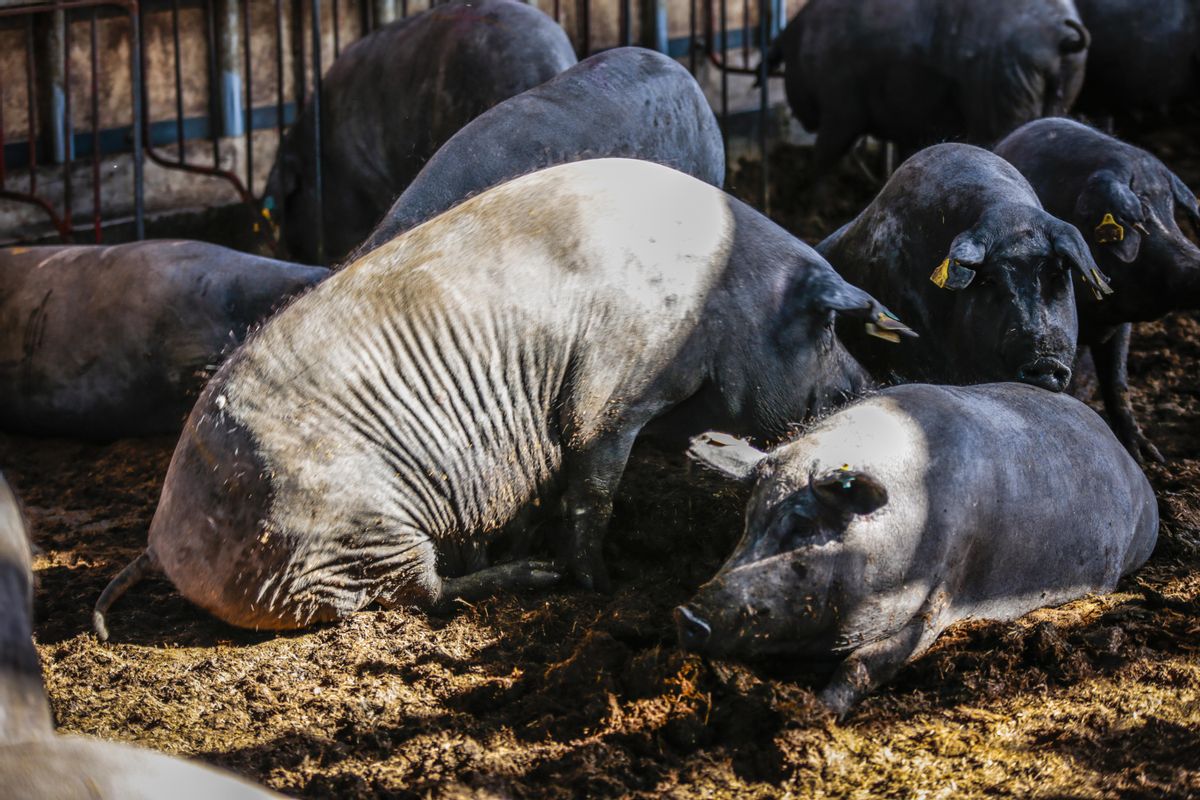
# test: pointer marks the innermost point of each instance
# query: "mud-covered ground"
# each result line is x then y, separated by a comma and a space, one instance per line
572, 694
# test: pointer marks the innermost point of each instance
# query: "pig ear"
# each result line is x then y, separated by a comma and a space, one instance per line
1185, 200
1069, 245
850, 301
955, 273
846, 489
733, 458
1108, 210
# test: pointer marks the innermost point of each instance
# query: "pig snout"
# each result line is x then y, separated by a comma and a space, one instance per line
693, 630
1047, 373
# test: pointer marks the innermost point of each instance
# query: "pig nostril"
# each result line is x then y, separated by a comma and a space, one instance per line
1048, 373
693, 631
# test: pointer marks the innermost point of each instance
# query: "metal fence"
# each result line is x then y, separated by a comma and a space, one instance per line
69, 74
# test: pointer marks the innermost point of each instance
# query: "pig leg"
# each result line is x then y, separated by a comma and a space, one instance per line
876, 663
592, 477
1111, 357
837, 134
418, 582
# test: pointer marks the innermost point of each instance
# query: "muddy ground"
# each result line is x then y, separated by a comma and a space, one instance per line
573, 694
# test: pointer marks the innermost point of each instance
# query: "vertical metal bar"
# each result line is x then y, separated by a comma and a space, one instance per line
337, 26
178, 82
229, 63
692, 36
135, 66
279, 69
558, 11
764, 101
745, 33
3, 160
318, 184
403, 8
626, 23
68, 127
31, 104
585, 18
249, 70
95, 129
214, 84
724, 79
299, 69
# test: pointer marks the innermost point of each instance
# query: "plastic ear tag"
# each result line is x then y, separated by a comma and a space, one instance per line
256, 228
847, 480
941, 274
266, 212
888, 327
269, 203
1098, 285
1109, 231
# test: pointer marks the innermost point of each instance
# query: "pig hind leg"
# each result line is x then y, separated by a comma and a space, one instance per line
1111, 357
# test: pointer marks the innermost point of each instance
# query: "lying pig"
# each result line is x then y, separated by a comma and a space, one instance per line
920, 71
912, 510
35, 764
1143, 56
390, 100
508, 350
1125, 201
629, 102
958, 244
103, 342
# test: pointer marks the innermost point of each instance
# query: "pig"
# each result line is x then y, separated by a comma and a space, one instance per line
34, 762
1143, 56
104, 342
505, 353
921, 71
628, 102
1125, 200
958, 244
911, 510
390, 100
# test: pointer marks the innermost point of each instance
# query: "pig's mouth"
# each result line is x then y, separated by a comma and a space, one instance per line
697, 633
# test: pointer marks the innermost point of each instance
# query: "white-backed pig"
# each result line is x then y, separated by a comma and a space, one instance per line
628, 102
35, 764
506, 351
390, 100
103, 342
913, 509
921, 71
959, 246
1125, 201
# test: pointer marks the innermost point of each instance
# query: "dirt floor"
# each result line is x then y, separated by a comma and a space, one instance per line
574, 694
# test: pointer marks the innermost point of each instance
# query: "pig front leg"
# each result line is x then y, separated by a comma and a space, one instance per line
877, 663
592, 477
416, 581
1111, 357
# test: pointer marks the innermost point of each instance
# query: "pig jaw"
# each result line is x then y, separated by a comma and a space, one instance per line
780, 604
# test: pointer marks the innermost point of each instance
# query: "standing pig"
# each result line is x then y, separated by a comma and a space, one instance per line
104, 342
507, 350
958, 243
1125, 200
1143, 56
391, 100
629, 102
920, 71
37, 765
916, 508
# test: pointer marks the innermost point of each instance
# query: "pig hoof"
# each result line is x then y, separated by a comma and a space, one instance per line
590, 574
838, 698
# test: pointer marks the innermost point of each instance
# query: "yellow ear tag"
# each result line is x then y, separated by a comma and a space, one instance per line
887, 336
266, 212
1109, 231
941, 274
256, 227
